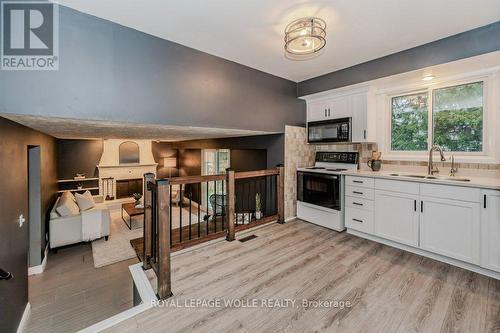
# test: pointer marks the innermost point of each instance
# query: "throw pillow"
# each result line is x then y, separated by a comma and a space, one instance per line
84, 201
67, 207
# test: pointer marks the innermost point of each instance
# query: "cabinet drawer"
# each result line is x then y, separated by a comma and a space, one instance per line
451, 192
359, 181
359, 203
397, 186
358, 219
359, 192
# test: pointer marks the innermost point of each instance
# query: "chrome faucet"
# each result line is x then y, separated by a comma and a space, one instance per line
454, 168
430, 168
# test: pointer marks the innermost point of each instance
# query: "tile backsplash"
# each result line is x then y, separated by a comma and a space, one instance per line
299, 154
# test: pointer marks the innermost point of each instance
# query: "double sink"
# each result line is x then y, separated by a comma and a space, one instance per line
457, 179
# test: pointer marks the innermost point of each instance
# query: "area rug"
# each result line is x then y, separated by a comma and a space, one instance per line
118, 247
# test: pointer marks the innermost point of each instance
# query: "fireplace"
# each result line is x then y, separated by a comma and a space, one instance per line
125, 188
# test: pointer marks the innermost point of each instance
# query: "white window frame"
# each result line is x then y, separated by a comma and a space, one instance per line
489, 119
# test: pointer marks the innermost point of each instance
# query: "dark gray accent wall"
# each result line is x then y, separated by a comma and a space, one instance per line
248, 159
467, 44
160, 151
111, 72
14, 143
78, 156
274, 144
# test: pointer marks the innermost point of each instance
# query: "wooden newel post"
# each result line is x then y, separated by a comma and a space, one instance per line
164, 271
230, 204
146, 254
281, 193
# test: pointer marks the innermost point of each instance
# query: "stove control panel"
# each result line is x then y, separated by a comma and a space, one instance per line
337, 157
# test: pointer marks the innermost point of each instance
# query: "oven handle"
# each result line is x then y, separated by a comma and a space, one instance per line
318, 175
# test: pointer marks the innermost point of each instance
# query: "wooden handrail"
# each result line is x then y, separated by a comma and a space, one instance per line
258, 173
196, 179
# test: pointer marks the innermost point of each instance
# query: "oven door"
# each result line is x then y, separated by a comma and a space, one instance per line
333, 130
319, 189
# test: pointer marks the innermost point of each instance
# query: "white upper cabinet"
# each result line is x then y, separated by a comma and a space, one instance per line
317, 111
490, 230
354, 104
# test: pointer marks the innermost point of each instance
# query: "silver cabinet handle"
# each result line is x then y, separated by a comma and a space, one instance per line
357, 204
358, 181
356, 220
356, 192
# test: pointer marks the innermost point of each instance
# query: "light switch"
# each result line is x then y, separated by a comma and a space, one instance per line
21, 220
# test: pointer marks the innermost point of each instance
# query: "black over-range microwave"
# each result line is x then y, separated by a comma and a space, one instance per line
332, 130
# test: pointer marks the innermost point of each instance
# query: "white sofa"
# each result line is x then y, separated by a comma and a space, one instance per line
68, 229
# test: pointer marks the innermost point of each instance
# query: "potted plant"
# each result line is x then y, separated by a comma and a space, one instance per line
137, 197
258, 206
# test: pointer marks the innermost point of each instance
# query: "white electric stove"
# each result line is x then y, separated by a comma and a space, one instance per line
320, 189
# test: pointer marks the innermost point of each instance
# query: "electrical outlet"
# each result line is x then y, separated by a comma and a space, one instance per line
21, 220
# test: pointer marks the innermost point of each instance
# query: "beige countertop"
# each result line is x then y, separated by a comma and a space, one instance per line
492, 183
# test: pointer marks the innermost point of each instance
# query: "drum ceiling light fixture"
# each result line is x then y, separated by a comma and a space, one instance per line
305, 36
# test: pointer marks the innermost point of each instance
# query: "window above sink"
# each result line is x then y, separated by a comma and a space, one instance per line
457, 113
452, 119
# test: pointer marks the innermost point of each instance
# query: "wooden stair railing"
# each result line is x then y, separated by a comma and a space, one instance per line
239, 190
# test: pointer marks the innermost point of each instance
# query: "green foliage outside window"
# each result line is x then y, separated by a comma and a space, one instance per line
457, 117
409, 122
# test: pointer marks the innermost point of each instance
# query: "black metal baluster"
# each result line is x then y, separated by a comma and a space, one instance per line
190, 201
170, 213
199, 204
208, 210
215, 208
223, 205
180, 214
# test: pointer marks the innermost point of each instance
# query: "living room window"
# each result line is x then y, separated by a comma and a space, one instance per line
451, 117
214, 162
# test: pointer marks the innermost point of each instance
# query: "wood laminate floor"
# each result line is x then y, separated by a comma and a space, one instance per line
71, 294
389, 290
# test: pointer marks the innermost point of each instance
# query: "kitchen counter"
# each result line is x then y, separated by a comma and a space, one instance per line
492, 183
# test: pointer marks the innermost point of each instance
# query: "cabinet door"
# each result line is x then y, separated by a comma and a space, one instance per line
490, 232
450, 228
338, 108
316, 111
359, 117
396, 217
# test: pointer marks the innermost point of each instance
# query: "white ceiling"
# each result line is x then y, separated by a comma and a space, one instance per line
65, 128
251, 32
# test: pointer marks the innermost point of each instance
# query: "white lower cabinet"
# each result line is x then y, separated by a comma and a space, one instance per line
396, 217
456, 224
451, 228
490, 230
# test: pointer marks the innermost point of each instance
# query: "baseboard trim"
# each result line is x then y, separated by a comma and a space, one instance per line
24, 319
290, 219
40, 268
438, 257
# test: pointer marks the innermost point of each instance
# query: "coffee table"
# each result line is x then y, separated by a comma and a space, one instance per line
131, 211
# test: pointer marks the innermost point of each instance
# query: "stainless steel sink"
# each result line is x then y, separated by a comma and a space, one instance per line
403, 175
430, 177
458, 179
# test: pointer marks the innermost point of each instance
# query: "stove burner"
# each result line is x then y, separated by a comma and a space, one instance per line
315, 168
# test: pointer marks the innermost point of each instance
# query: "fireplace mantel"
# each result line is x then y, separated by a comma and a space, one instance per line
109, 166
126, 166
